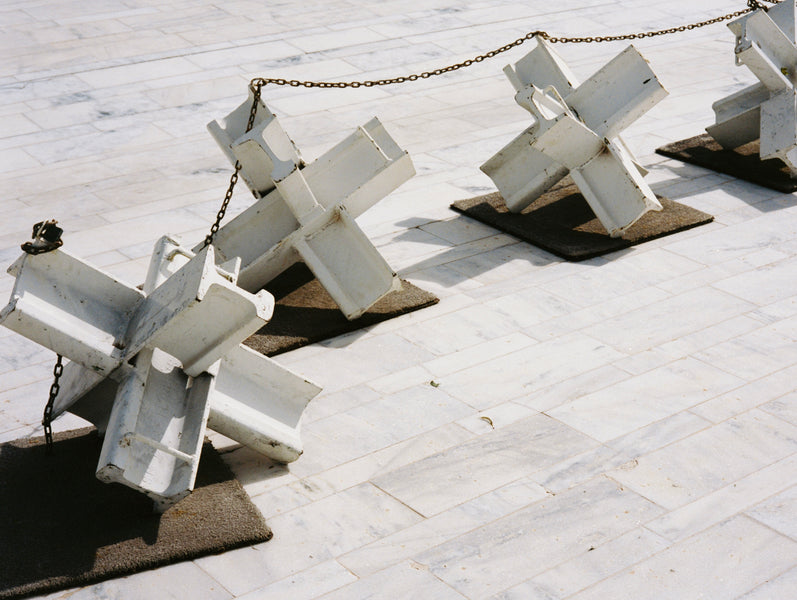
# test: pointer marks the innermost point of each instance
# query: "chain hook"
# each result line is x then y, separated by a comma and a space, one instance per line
46, 238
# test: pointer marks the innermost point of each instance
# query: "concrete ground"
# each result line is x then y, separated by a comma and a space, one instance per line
624, 427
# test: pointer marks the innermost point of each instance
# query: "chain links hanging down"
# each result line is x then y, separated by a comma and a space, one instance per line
258, 83
58, 370
256, 89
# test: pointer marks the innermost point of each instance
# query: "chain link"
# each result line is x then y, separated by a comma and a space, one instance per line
258, 83
256, 90
47, 420
262, 81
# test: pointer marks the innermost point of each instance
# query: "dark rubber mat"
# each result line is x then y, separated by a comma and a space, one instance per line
561, 222
305, 313
63, 528
742, 163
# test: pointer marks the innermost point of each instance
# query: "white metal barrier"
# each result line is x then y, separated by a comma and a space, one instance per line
307, 212
151, 368
765, 44
577, 131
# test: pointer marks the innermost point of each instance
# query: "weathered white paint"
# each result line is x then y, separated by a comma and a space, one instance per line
765, 44
259, 403
72, 308
151, 368
577, 131
156, 428
307, 212
97, 321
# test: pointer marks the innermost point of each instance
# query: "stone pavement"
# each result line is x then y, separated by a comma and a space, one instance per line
624, 427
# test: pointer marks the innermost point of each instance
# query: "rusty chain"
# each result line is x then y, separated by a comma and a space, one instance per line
46, 238
256, 89
751, 6
47, 420
256, 85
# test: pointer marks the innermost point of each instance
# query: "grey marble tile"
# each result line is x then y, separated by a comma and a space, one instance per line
728, 452
503, 263
375, 356
450, 256
782, 586
17, 124
346, 474
278, 500
406, 580
256, 472
530, 306
408, 413
16, 159
724, 562
438, 529
574, 387
172, 582
496, 417
728, 501
736, 241
340, 438
440, 280
647, 327
247, 569
588, 568
510, 550
459, 230
474, 355
753, 355
310, 535
306, 584
636, 271
543, 365
657, 435
645, 399
463, 472
19, 352
780, 511
763, 285
784, 407
401, 380
640, 301
327, 404
749, 396
578, 469
458, 330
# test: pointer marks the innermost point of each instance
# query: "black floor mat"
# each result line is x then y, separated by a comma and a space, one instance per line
743, 162
62, 528
561, 222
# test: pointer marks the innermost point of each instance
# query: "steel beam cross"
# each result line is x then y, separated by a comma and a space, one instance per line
152, 368
577, 131
307, 212
765, 44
